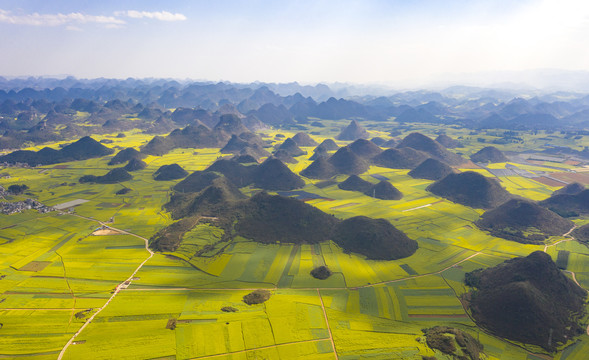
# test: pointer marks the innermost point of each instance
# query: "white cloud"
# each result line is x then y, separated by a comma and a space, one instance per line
73, 28
157, 15
36, 19
70, 20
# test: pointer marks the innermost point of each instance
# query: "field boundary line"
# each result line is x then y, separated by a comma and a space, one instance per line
69, 288
258, 348
327, 324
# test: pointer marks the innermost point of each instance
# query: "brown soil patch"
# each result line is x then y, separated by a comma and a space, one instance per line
546, 181
60, 166
572, 177
171, 325
35, 266
103, 232
572, 162
467, 165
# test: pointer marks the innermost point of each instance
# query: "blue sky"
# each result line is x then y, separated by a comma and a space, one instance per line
397, 42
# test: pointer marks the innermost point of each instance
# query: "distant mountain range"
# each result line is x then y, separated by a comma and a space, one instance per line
37, 110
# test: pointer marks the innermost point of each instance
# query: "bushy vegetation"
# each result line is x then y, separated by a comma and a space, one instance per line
17, 189
257, 297
455, 342
321, 272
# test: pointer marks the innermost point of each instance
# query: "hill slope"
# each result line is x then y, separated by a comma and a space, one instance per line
570, 189
377, 239
365, 149
135, 164
345, 161
447, 141
488, 154
403, 158
321, 168
303, 139
352, 132
431, 169
124, 156
471, 189
112, 177
272, 174
291, 148
384, 190
568, 204
169, 172
431, 147
328, 144
355, 183
270, 219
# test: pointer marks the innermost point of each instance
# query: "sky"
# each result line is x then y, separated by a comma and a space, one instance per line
398, 43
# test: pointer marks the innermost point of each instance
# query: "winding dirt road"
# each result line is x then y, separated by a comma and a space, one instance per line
119, 287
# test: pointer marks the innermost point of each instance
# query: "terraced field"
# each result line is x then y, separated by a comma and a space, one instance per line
56, 273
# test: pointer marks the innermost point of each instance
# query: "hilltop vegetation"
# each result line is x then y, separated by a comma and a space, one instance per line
523, 221
471, 189
516, 300
377, 239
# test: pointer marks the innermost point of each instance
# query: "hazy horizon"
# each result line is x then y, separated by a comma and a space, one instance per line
397, 44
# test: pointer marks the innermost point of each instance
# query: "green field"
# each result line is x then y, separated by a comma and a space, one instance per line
55, 273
